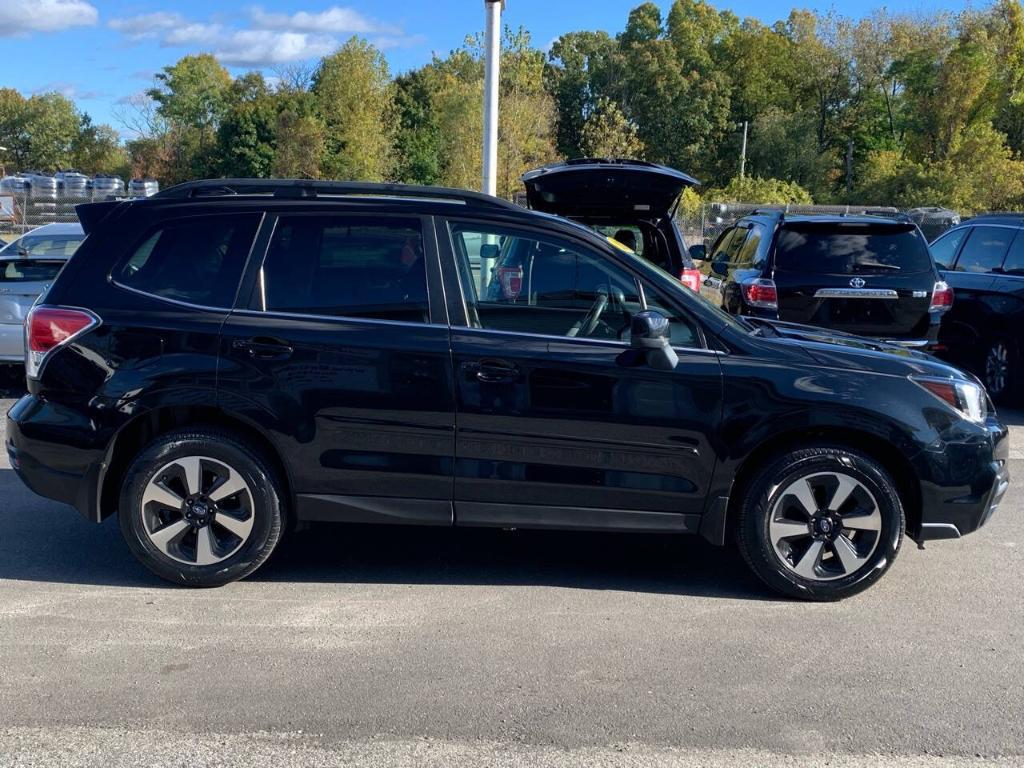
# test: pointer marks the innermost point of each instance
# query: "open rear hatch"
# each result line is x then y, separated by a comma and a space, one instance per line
866, 279
590, 187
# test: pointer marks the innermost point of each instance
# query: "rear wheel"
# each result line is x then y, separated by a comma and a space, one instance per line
200, 508
999, 370
821, 523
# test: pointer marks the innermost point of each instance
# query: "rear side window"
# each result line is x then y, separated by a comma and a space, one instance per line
196, 260
346, 266
848, 249
29, 270
985, 249
944, 249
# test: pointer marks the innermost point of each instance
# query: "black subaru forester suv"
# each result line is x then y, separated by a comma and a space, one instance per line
229, 357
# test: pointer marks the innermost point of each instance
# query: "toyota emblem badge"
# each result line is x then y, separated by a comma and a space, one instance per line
857, 282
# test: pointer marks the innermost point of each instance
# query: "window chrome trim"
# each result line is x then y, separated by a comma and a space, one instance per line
335, 318
178, 302
855, 293
571, 339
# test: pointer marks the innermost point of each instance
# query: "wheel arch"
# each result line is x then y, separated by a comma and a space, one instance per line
146, 427
885, 453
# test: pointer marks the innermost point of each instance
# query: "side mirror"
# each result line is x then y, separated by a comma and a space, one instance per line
720, 268
650, 334
698, 252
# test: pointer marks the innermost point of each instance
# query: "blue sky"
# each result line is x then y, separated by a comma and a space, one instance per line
99, 52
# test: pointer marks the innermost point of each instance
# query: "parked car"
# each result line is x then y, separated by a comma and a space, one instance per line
866, 275
229, 357
27, 266
631, 201
983, 261
933, 220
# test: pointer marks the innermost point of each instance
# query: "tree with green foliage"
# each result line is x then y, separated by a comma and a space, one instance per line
355, 103
608, 133
752, 189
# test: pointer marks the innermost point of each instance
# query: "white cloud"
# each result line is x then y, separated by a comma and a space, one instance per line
261, 47
69, 90
336, 20
147, 25
22, 17
267, 39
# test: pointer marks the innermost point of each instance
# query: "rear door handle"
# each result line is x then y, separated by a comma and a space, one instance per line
491, 371
261, 348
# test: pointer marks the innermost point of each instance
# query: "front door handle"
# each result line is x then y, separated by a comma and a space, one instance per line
261, 348
491, 371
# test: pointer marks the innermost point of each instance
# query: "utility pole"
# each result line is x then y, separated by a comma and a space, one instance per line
492, 77
743, 152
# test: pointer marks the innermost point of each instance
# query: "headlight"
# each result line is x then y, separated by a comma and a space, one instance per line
965, 397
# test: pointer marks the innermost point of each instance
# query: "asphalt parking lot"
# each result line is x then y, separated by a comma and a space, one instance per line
425, 647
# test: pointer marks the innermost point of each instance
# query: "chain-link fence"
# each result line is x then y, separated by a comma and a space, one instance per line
20, 212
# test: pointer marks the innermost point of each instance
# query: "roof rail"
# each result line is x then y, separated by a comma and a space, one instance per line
311, 189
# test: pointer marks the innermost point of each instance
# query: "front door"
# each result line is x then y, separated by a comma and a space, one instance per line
557, 424
342, 356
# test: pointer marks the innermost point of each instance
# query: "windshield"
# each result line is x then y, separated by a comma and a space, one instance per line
851, 249
29, 270
45, 245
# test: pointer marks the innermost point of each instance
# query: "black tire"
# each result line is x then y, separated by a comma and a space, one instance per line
1000, 353
764, 491
267, 513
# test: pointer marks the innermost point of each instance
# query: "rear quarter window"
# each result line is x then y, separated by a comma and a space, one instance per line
197, 260
851, 249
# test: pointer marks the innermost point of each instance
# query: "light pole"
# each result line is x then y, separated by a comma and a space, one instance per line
492, 76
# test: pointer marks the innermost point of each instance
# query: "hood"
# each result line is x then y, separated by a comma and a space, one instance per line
845, 350
605, 188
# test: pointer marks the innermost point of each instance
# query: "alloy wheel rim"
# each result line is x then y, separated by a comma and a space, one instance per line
197, 510
997, 366
824, 526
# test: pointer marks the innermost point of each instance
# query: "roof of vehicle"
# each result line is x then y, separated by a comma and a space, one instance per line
829, 218
996, 218
56, 229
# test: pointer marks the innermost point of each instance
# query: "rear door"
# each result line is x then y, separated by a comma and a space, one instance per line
339, 350
866, 279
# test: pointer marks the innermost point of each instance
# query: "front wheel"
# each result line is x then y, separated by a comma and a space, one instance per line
820, 523
999, 371
200, 508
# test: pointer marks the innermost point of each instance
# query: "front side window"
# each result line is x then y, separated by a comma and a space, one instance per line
553, 288
197, 260
346, 266
985, 249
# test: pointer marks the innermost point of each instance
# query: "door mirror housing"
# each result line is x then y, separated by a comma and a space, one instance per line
650, 334
698, 252
720, 267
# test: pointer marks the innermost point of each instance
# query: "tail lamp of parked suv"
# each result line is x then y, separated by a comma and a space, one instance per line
691, 279
760, 293
942, 297
48, 328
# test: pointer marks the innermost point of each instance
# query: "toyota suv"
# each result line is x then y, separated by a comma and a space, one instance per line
226, 359
865, 275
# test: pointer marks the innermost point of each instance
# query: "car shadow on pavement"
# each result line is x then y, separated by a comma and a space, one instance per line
44, 541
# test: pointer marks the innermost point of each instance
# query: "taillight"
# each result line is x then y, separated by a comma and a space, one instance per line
691, 279
942, 297
760, 293
47, 328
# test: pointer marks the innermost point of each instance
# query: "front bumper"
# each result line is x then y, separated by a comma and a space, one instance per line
964, 482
